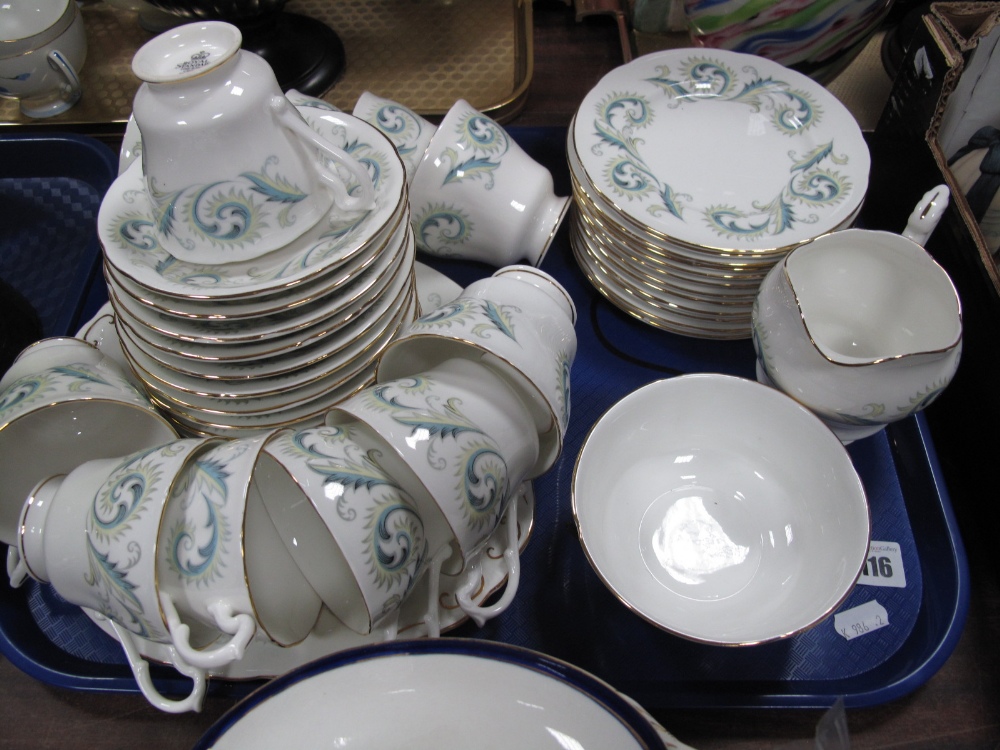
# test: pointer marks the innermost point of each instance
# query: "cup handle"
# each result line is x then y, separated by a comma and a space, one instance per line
17, 569
512, 555
924, 218
365, 201
241, 627
432, 619
140, 670
59, 63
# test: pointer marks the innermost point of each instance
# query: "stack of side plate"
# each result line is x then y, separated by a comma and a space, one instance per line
694, 171
237, 348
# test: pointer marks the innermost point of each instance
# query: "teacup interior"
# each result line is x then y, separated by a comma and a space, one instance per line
867, 296
285, 605
309, 543
57, 438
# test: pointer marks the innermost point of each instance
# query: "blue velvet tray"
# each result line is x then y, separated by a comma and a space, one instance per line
564, 610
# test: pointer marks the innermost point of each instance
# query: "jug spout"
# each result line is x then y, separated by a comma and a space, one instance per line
862, 327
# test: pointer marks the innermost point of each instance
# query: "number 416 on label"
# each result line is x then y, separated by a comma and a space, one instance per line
883, 566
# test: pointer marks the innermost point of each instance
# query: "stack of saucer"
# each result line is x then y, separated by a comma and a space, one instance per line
234, 348
694, 171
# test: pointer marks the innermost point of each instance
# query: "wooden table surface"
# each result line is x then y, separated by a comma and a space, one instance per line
958, 708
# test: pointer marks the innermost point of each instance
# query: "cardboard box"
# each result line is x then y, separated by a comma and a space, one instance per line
946, 88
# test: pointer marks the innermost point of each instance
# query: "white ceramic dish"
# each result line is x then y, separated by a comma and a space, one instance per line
409, 132
636, 306
721, 149
282, 299
691, 304
313, 377
293, 323
396, 268
126, 228
720, 510
705, 271
425, 693
247, 380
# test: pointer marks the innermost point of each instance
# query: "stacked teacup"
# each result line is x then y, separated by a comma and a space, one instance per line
258, 256
210, 547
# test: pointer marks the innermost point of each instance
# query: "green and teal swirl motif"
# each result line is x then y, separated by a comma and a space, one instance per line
122, 502
872, 414
402, 126
33, 390
395, 547
483, 477
198, 542
442, 228
393, 540
227, 213
136, 228
483, 318
814, 181
813, 184
564, 365
480, 471
21, 394
481, 145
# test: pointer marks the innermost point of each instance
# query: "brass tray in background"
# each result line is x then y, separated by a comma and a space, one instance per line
422, 53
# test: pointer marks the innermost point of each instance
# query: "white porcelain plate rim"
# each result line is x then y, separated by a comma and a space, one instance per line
626, 123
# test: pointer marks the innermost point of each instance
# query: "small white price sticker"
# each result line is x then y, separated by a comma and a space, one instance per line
883, 566
861, 620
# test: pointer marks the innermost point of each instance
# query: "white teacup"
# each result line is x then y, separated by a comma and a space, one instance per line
353, 530
862, 327
465, 440
43, 46
54, 351
220, 563
232, 170
517, 323
93, 537
409, 132
477, 195
54, 419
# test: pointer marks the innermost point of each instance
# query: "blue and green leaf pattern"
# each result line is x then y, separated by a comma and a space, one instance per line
393, 541
118, 571
480, 473
198, 543
76, 379
442, 228
480, 317
813, 179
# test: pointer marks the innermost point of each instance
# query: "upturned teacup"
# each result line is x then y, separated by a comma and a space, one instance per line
862, 327
477, 195
409, 132
43, 46
232, 171
519, 324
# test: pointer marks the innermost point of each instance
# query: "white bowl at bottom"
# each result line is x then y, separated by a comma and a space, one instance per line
442, 693
720, 510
